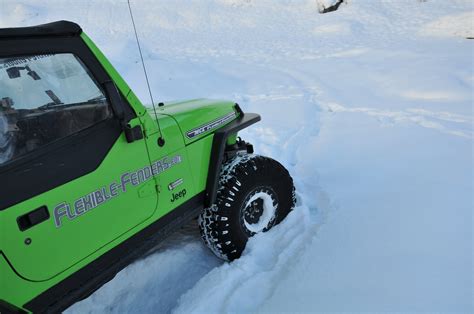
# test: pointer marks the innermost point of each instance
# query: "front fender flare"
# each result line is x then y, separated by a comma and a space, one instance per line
218, 148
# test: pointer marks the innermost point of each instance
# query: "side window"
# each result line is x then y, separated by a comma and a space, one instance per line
44, 98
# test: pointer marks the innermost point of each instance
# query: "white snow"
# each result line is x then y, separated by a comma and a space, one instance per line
268, 214
460, 24
369, 107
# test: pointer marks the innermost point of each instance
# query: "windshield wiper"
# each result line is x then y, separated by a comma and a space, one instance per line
50, 105
92, 101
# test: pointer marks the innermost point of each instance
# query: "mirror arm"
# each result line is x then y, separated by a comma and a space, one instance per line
116, 101
132, 134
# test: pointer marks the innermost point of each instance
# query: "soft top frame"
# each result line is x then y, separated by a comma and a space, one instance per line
59, 28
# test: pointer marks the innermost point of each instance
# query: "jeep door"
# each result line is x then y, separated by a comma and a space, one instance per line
71, 184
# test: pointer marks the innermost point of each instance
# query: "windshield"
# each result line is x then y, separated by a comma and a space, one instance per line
44, 98
37, 80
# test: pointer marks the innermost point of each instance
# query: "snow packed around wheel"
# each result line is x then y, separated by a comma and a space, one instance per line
369, 107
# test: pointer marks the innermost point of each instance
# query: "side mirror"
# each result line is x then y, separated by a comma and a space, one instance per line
132, 134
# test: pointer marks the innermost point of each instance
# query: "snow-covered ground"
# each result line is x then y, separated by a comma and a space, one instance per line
369, 107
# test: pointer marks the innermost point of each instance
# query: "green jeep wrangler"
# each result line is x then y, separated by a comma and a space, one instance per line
91, 179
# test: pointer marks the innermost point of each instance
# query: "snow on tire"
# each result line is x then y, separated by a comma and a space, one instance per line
255, 193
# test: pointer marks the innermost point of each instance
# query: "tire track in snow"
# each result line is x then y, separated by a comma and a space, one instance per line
444, 122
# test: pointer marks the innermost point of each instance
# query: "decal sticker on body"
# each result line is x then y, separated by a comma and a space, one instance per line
105, 193
210, 125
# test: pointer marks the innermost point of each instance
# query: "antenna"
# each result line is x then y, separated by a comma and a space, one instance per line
161, 140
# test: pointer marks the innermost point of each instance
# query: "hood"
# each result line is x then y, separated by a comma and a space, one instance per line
200, 117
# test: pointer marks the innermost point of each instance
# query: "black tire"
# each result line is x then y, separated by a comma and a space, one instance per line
255, 193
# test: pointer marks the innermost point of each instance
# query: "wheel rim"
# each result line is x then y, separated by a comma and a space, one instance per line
259, 210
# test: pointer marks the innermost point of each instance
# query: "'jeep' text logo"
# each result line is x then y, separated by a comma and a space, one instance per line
176, 196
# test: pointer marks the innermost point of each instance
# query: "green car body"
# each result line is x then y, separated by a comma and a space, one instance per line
134, 192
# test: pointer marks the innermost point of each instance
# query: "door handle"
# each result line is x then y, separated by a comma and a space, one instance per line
33, 218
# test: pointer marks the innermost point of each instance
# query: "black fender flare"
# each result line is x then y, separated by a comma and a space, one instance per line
218, 148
